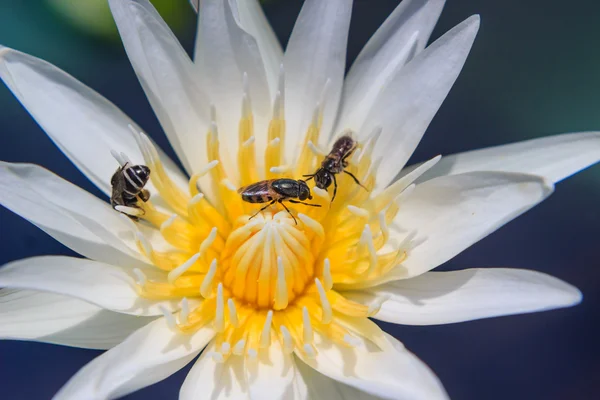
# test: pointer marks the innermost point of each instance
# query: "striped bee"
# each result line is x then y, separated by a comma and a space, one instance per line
334, 163
128, 187
277, 191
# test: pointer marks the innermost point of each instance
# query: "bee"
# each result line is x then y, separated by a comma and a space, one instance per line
334, 163
128, 187
277, 191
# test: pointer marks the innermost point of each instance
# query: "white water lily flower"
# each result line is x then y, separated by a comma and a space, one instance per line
275, 309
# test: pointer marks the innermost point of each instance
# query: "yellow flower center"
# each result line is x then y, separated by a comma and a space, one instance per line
268, 278
267, 262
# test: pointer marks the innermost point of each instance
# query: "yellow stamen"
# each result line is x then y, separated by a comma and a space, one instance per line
177, 272
206, 288
233, 316
185, 311
219, 313
307, 332
276, 277
281, 290
265, 336
169, 318
238, 349
327, 278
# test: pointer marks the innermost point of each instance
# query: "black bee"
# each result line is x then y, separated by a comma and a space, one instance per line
277, 191
334, 163
128, 186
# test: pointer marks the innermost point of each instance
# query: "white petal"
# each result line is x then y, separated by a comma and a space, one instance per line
452, 213
553, 157
69, 214
58, 319
83, 124
253, 21
101, 284
321, 387
403, 35
209, 379
413, 96
456, 296
224, 52
390, 373
275, 375
148, 356
166, 74
316, 53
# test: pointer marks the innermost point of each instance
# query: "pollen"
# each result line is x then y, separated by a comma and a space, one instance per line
273, 276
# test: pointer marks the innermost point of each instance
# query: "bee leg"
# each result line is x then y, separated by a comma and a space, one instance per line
334, 187
306, 204
288, 210
144, 195
264, 208
355, 180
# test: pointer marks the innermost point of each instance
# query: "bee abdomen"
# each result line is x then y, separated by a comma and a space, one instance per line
256, 198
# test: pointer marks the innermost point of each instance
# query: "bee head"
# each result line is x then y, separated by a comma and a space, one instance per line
323, 179
304, 191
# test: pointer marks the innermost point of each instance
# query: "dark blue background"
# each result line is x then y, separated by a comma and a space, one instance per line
534, 70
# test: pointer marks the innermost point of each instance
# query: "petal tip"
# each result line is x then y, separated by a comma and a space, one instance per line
4, 51
474, 19
562, 293
573, 296
471, 24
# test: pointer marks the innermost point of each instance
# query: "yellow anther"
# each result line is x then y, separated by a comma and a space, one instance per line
193, 184
144, 244
309, 350
351, 340
325, 305
233, 316
315, 150
220, 310
288, 344
322, 193
248, 142
376, 305
327, 278
169, 318
238, 349
313, 225
307, 332
185, 311
265, 335
281, 169
206, 287
206, 243
217, 357
281, 290
366, 240
359, 212
177, 272
385, 231
225, 348
165, 225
